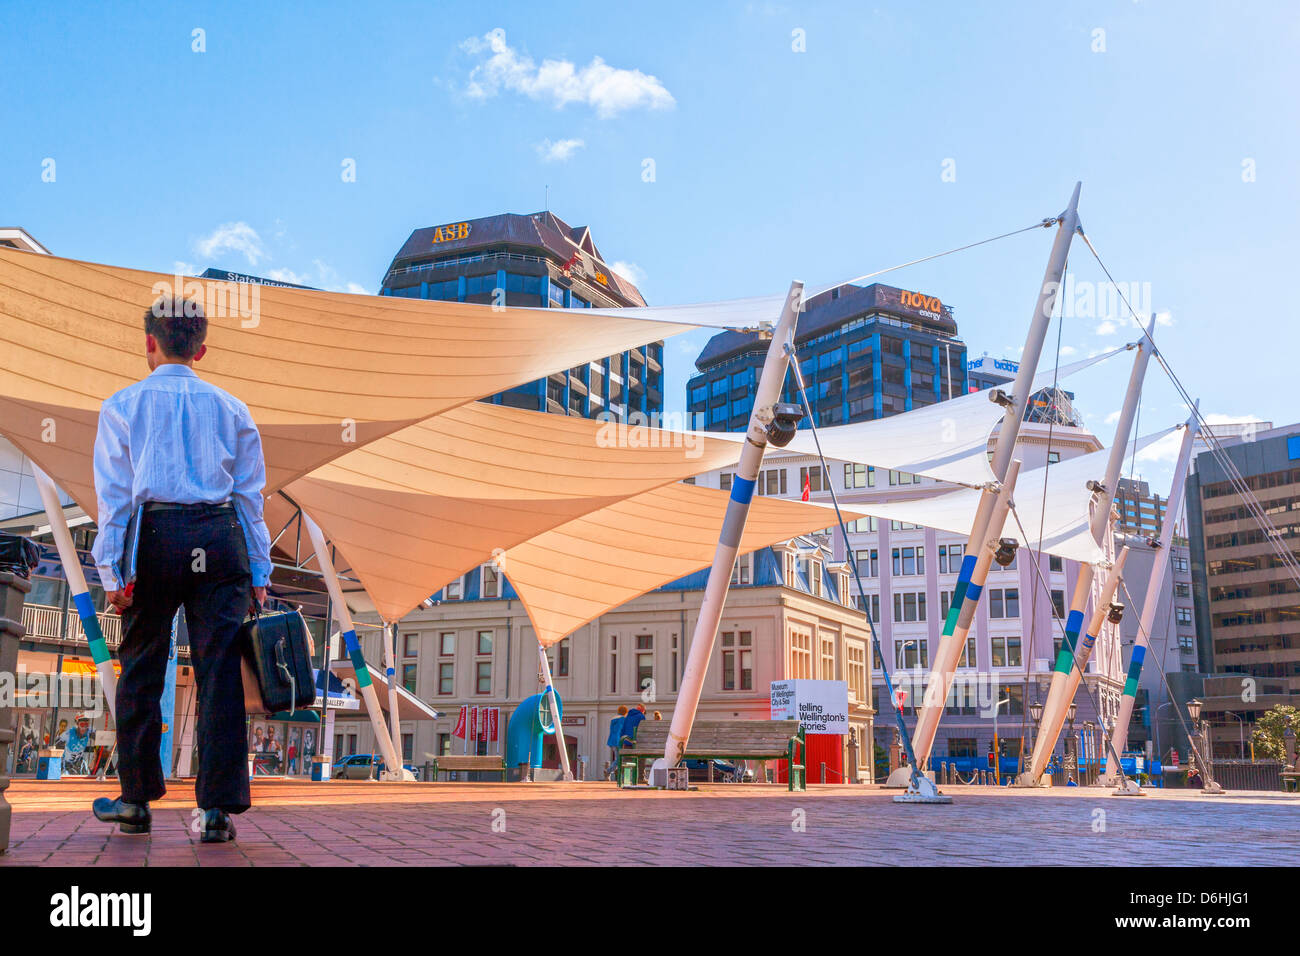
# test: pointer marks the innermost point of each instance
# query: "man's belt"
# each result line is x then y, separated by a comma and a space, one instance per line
200, 507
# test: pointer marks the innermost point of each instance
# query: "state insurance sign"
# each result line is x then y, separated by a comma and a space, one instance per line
820, 706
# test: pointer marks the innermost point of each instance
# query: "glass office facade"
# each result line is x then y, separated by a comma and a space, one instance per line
535, 261
864, 354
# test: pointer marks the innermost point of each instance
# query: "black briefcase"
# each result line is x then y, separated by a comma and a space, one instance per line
277, 663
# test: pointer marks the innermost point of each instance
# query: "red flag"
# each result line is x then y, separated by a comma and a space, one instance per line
495, 714
473, 724
807, 487
900, 698
460, 722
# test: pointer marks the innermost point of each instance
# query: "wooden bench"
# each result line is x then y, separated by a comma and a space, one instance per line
1290, 780
727, 739
469, 763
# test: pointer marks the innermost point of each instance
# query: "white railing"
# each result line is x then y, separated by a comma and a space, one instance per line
42, 622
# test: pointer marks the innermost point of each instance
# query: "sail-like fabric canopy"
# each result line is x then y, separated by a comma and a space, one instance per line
947, 441
576, 572
418, 508
321, 372
1066, 512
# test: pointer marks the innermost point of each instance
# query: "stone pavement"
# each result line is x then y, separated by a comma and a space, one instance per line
424, 824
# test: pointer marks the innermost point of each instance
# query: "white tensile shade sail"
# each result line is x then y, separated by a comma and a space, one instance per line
418, 508
1065, 512
947, 441
321, 372
571, 575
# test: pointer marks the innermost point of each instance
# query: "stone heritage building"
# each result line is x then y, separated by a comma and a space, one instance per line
786, 617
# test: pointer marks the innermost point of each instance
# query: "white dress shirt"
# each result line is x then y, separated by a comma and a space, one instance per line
174, 437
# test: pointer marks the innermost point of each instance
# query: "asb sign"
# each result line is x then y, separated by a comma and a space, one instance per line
450, 232
820, 706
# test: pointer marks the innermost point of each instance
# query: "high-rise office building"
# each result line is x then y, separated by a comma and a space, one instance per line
865, 352
537, 261
1246, 601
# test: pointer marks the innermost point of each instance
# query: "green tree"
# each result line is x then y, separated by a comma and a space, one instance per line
1267, 735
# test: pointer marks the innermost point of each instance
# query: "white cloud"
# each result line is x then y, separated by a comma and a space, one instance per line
288, 275
606, 89
1164, 450
1068, 350
1164, 318
1106, 328
630, 271
558, 151
1112, 418
185, 268
233, 237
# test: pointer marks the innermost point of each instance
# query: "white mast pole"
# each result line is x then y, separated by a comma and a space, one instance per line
969, 586
343, 617
1159, 565
767, 394
560, 746
77, 585
1062, 688
390, 665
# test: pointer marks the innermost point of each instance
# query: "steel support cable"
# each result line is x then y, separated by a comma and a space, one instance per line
1043, 224
1038, 573
1042, 519
853, 564
1164, 678
1235, 479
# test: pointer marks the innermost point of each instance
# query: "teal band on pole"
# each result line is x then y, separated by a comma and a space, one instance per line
358, 659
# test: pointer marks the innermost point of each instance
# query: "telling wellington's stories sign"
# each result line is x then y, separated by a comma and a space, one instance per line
820, 706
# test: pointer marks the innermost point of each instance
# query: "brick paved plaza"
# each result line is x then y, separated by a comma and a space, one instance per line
375, 824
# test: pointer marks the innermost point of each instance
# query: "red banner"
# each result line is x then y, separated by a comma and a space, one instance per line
495, 714
460, 722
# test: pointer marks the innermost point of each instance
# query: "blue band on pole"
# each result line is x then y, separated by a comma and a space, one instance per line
973, 592
85, 606
967, 568
1139, 655
742, 490
1073, 625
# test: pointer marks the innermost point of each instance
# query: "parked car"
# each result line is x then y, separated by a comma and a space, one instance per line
364, 767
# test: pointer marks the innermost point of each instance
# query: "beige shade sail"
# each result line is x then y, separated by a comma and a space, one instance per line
418, 508
574, 573
321, 372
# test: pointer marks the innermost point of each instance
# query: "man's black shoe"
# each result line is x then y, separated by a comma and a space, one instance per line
133, 817
217, 827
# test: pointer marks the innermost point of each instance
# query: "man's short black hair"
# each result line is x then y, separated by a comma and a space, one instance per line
179, 325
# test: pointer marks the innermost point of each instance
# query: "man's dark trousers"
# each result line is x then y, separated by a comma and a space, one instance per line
196, 557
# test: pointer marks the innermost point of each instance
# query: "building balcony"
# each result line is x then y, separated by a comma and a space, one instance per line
42, 623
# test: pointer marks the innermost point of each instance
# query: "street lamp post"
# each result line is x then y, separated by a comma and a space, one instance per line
997, 750
1201, 729
1241, 731
1036, 715
1071, 755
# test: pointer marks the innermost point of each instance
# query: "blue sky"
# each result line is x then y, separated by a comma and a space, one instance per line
770, 162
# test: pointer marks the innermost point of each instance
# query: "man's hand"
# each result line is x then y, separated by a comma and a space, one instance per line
258, 601
121, 600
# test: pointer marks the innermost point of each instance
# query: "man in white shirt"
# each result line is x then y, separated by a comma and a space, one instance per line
187, 457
